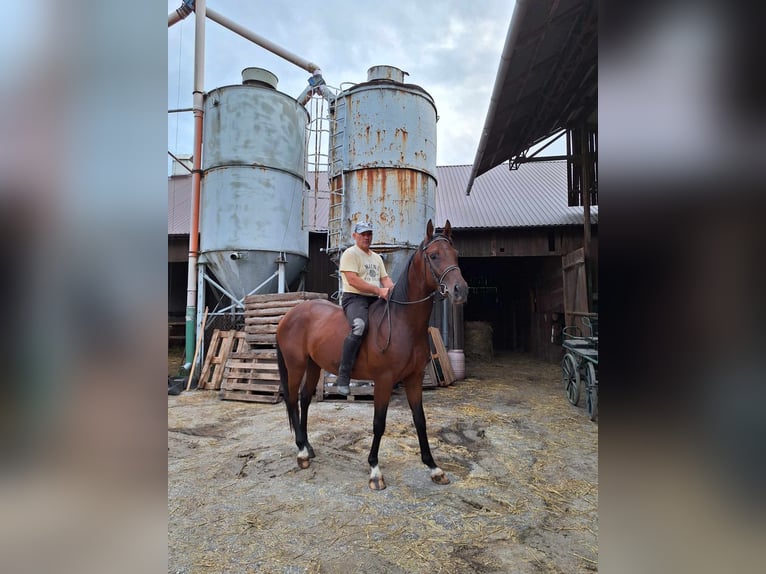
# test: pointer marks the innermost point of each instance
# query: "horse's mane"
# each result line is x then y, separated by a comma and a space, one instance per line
401, 286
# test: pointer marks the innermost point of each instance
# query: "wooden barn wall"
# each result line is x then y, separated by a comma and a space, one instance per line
178, 248
517, 242
531, 258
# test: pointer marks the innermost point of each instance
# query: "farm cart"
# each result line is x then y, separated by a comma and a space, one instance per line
580, 363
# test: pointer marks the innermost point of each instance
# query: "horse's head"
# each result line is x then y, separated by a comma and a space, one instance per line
441, 259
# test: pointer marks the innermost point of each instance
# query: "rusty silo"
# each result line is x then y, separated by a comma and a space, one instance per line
382, 165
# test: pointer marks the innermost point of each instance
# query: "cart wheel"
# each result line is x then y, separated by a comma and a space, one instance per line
570, 376
592, 385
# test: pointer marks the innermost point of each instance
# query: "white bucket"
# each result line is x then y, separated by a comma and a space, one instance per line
457, 362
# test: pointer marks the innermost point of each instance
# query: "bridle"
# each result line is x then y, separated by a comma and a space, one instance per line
441, 286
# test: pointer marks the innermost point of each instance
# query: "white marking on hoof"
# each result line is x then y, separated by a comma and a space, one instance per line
303, 458
438, 476
376, 479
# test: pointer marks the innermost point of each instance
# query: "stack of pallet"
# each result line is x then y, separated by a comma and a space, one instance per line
252, 374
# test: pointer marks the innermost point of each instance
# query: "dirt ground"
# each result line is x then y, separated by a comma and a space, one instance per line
522, 462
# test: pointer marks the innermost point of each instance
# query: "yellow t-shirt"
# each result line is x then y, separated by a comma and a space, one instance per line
369, 267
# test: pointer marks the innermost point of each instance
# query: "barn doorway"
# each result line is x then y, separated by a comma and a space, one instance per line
519, 297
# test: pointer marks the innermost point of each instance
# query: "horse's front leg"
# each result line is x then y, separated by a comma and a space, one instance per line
378, 428
414, 389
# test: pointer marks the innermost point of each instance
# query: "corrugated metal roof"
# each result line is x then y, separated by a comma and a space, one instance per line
532, 196
179, 205
547, 79
535, 195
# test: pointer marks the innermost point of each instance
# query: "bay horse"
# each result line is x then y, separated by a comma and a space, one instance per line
395, 349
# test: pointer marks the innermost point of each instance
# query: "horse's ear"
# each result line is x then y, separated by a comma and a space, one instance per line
429, 230
448, 230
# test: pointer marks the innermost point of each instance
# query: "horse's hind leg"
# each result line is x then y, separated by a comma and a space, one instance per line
307, 392
414, 390
291, 391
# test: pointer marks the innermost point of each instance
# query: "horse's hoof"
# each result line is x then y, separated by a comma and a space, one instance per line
311, 452
377, 483
440, 478
304, 463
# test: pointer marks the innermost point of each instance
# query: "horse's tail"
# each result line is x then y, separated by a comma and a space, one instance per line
283, 380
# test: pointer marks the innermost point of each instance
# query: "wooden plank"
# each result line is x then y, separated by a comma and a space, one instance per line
259, 339
246, 366
262, 387
272, 311
261, 329
252, 397
320, 385
302, 295
260, 320
256, 354
575, 286
441, 356
430, 379
268, 306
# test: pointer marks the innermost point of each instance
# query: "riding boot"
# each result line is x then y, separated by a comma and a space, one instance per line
350, 349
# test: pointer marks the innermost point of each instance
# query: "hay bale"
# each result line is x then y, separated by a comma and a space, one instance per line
478, 340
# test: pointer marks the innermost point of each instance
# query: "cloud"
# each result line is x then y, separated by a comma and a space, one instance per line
450, 49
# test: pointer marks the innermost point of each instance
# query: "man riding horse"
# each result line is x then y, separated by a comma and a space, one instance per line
364, 280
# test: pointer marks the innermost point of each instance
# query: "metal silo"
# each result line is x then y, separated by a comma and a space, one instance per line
383, 165
253, 164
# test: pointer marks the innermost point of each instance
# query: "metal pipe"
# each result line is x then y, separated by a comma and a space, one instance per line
260, 40
519, 11
186, 8
178, 110
198, 100
585, 162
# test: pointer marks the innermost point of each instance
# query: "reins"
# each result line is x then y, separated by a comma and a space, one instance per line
441, 287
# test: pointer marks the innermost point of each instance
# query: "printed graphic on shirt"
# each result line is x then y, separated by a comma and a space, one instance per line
370, 273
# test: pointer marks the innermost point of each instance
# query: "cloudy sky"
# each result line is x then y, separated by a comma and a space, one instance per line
451, 48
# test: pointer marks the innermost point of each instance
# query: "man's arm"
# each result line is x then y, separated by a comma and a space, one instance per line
361, 285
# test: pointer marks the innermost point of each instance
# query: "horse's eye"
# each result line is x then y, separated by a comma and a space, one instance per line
433, 256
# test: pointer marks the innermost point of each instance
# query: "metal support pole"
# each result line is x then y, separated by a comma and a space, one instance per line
585, 161
281, 273
200, 305
198, 100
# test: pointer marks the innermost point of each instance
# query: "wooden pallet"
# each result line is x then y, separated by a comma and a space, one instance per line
222, 344
430, 378
263, 313
441, 366
359, 390
252, 376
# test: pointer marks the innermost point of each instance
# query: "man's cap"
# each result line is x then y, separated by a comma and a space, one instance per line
362, 226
